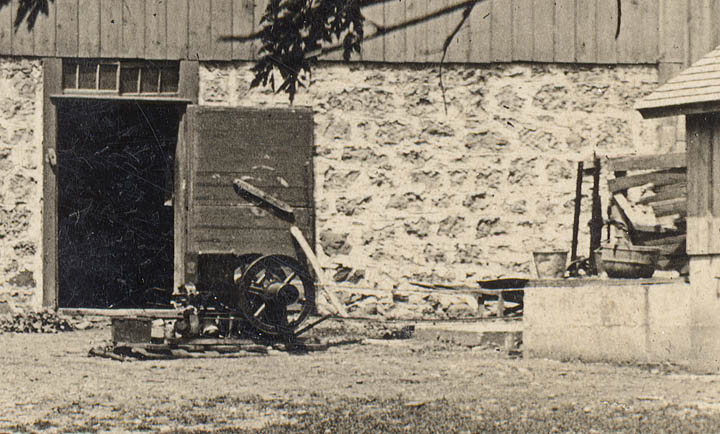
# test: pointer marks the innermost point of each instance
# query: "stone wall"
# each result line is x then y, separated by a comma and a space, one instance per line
414, 186
21, 182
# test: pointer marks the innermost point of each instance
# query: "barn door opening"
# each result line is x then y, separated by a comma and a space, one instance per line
115, 163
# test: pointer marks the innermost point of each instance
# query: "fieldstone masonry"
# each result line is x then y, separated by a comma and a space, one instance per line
21, 182
411, 186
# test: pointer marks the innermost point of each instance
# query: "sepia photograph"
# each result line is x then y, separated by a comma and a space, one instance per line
359, 216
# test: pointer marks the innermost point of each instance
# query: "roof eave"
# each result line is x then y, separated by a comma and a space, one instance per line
679, 109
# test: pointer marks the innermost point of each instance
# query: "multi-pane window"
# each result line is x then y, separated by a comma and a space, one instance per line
121, 77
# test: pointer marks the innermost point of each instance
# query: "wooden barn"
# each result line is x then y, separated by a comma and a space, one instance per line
124, 123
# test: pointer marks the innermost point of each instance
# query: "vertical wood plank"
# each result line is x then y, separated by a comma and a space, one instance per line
502, 31
258, 13
459, 50
52, 84
6, 30
714, 169
189, 85
395, 41
23, 43
89, 28
522, 16
607, 21
417, 35
585, 42
222, 25
199, 30
439, 29
481, 33
699, 28
674, 25
155, 29
564, 31
180, 206
133, 29
110, 28
649, 42
177, 29
629, 44
693, 150
45, 32
243, 26
373, 50
715, 22
543, 30
66, 25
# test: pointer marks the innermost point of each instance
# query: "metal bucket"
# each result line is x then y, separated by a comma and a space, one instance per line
550, 264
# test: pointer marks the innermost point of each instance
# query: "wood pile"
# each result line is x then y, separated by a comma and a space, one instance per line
35, 322
654, 185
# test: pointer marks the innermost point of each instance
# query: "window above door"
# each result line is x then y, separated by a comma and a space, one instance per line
120, 77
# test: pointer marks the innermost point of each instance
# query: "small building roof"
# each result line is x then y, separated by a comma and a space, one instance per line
695, 90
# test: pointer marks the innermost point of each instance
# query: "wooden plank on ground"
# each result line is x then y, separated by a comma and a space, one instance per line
585, 23
564, 31
679, 192
543, 30
607, 21
647, 162
221, 25
66, 28
522, 30
243, 26
657, 178
45, 32
501, 39
673, 207
110, 28
155, 29
133, 29
177, 29
480, 33
199, 31
88, 28
395, 47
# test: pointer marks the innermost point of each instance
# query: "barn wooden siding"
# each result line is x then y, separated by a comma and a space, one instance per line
583, 31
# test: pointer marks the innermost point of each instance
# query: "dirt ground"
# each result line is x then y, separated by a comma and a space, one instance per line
50, 384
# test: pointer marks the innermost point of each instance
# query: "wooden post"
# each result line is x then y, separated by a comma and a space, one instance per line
576, 217
596, 221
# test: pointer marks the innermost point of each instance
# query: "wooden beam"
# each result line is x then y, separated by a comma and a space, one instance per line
673, 193
373, 50
395, 48
607, 21
564, 31
522, 29
657, 178
480, 34
586, 31
200, 31
52, 83
647, 162
543, 30
673, 207
23, 39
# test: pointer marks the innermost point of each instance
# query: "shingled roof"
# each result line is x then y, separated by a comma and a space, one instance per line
695, 90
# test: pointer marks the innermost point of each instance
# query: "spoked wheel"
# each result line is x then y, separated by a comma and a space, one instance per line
276, 294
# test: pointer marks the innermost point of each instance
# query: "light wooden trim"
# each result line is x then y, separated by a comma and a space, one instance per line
52, 83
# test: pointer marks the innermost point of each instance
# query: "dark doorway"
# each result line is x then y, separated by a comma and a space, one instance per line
115, 194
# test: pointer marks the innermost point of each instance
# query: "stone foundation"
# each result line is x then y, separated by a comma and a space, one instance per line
21, 182
411, 186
